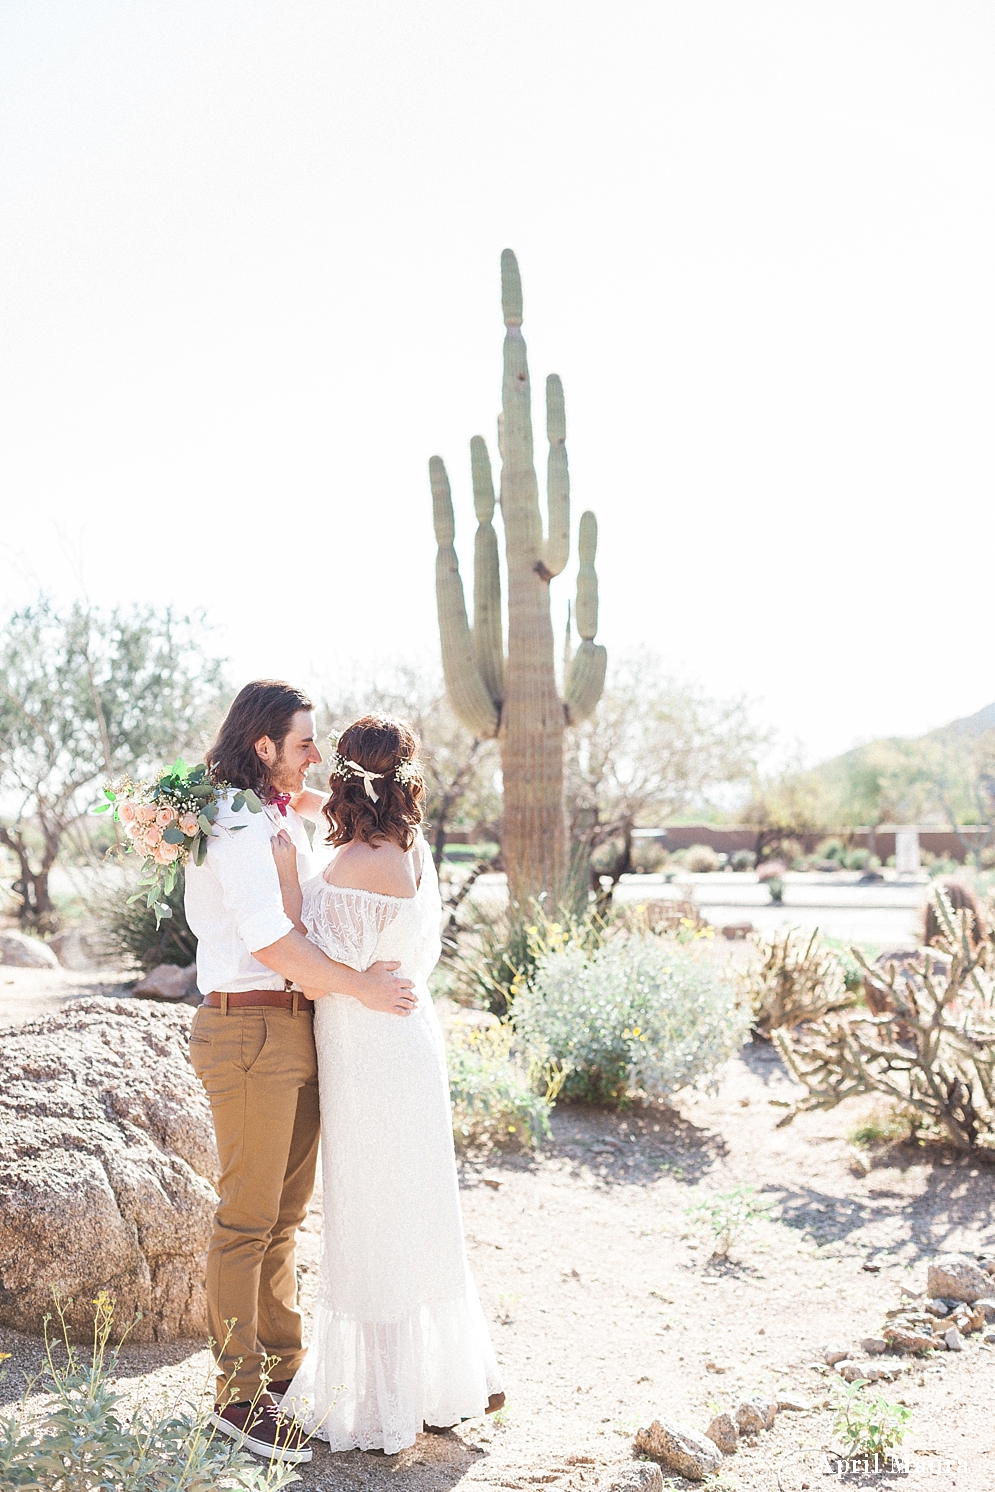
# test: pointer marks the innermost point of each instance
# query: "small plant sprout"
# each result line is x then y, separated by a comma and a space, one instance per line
727, 1215
868, 1425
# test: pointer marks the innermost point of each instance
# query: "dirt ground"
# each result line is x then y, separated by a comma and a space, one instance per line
607, 1307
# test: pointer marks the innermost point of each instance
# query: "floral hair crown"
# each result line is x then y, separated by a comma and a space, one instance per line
340, 766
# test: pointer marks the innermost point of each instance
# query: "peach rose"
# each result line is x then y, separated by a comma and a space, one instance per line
188, 824
165, 817
127, 813
165, 854
145, 813
152, 837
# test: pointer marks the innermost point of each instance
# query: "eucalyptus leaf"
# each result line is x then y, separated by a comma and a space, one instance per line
102, 808
110, 793
238, 803
174, 836
204, 822
211, 811
252, 802
200, 853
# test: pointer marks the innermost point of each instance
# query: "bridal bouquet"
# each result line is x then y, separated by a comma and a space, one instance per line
168, 821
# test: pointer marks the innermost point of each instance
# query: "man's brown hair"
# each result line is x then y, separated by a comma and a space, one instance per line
266, 707
379, 744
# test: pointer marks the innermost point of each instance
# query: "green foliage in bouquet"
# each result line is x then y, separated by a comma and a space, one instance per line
169, 822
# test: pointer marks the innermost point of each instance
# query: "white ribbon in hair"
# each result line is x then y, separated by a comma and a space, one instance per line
368, 779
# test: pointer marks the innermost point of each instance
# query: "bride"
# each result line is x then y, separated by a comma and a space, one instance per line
399, 1341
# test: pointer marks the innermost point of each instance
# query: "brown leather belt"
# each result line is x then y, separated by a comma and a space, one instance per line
225, 1000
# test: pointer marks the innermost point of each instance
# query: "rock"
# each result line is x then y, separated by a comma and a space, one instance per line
797, 1406
953, 1339
734, 931
749, 1419
638, 1476
986, 1304
937, 1307
78, 948
834, 1353
989, 1337
22, 952
872, 1371
679, 1448
717, 1367
956, 1277
107, 1165
723, 1432
909, 1338
874, 1345
169, 982
968, 1319
988, 1265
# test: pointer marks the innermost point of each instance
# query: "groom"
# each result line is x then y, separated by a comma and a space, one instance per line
252, 1046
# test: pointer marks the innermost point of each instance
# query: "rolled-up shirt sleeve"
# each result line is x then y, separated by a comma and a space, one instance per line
243, 862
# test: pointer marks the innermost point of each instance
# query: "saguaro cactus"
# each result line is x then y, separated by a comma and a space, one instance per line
515, 697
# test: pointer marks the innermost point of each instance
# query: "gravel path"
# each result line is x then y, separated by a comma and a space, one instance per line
606, 1307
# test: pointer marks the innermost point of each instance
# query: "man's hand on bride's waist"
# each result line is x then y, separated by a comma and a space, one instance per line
386, 991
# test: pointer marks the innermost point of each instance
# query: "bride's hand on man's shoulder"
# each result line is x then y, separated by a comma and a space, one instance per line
285, 855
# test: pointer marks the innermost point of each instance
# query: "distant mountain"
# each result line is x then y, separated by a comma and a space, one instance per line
970, 725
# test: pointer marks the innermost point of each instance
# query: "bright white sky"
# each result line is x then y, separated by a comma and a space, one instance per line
249, 284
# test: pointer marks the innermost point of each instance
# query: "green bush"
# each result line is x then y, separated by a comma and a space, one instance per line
639, 1012
127, 930
700, 859
497, 952
743, 860
493, 1090
85, 1440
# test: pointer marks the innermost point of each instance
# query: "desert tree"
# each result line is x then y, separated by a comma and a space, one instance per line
85, 696
657, 747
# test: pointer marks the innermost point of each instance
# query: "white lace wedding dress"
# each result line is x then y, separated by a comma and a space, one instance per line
399, 1337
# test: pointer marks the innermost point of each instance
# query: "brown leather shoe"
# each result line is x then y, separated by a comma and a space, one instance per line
261, 1429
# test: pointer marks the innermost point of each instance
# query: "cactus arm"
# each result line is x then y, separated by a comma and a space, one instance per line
586, 680
488, 640
556, 549
467, 691
519, 489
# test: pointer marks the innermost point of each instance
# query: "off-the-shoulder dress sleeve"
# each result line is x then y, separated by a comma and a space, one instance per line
346, 924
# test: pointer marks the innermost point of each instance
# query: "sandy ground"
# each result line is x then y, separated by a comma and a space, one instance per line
606, 1306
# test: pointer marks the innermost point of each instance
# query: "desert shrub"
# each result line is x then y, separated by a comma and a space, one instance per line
830, 849
493, 1088
856, 859
727, 1215
932, 1050
794, 979
743, 860
127, 929
496, 951
700, 859
961, 899
84, 1440
868, 1424
941, 866
639, 1012
648, 856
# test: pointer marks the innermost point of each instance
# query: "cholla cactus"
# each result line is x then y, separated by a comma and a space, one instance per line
515, 697
932, 1050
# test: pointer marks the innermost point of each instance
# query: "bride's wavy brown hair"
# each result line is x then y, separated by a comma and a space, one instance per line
379, 744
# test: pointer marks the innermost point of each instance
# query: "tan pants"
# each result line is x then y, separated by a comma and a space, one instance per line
259, 1068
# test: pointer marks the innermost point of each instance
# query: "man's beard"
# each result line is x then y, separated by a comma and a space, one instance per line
284, 778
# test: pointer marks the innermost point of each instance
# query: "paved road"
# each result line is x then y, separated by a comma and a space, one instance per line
886, 914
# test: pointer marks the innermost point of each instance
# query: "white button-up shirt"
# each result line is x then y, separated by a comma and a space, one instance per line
233, 901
